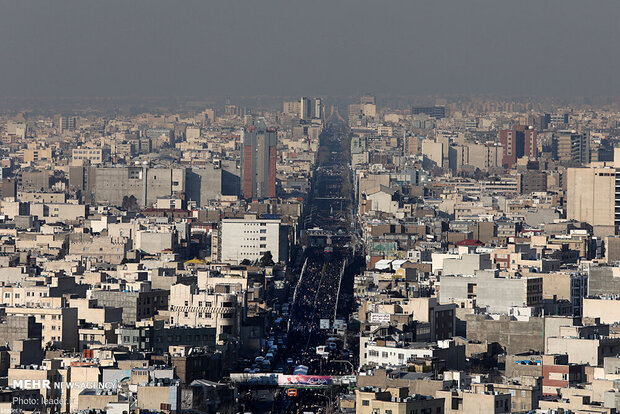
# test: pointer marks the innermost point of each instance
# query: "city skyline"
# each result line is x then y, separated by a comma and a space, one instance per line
276, 207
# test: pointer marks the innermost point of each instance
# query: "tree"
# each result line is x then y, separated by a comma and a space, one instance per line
130, 203
246, 262
267, 259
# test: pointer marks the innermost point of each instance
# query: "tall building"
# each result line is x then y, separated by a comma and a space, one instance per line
437, 111
66, 123
309, 108
251, 237
317, 108
571, 146
593, 196
518, 142
305, 108
258, 162
292, 107
485, 156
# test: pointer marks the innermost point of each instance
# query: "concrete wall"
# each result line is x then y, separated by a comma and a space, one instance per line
603, 281
515, 336
204, 184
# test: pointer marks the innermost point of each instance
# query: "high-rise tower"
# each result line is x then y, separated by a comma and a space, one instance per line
258, 162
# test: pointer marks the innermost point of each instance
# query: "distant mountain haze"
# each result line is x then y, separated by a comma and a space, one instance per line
246, 48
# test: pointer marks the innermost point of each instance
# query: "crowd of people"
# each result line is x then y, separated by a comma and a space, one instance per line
317, 293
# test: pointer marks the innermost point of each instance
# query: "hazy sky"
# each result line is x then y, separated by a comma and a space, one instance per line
338, 47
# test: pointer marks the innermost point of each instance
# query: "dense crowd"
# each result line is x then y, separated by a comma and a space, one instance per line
317, 293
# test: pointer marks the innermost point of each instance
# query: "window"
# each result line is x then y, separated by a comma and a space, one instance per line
365, 403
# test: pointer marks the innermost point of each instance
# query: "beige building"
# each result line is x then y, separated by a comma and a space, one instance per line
160, 398
607, 309
33, 154
524, 394
485, 156
35, 377
93, 314
577, 404
190, 306
469, 402
371, 400
582, 350
59, 323
101, 249
434, 151
571, 146
590, 197
41, 197
90, 399
92, 155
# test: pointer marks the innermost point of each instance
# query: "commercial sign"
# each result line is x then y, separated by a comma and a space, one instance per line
305, 380
382, 318
254, 379
324, 324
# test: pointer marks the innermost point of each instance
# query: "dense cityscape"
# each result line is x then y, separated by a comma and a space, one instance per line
319, 207
454, 257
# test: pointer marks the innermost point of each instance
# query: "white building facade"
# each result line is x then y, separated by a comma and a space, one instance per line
250, 238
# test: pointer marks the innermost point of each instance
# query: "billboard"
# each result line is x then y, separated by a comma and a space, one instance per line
254, 379
324, 324
305, 380
380, 318
385, 249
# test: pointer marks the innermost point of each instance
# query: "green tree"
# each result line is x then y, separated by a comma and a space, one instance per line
130, 203
267, 259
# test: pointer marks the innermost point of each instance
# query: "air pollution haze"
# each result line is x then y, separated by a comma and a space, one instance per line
245, 48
